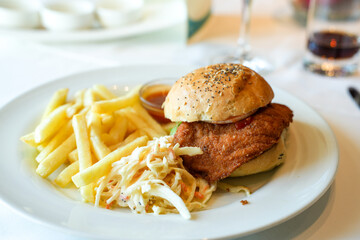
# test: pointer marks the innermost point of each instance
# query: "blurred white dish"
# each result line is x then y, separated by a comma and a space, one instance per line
19, 14
157, 15
116, 13
67, 15
290, 189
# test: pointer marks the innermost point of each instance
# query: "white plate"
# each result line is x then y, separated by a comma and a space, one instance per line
157, 15
285, 192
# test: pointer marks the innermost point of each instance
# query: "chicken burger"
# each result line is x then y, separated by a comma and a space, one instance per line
226, 110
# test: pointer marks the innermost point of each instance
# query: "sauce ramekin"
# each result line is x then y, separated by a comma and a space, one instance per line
158, 87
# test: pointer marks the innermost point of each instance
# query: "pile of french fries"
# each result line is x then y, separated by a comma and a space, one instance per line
88, 134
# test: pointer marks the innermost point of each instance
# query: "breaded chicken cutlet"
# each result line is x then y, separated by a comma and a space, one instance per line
228, 146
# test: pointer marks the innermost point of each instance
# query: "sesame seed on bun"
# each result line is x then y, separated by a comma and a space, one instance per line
216, 94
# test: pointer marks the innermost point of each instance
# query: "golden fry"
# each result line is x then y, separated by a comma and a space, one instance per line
130, 127
78, 105
88, 193
93, 120
84, 153
56, 157
107, 139
115, 146
132, 117
150, 120
102, 167
99, 148
51, 124
82, 141
89, 98
103, 92
29, 139
140, 123
115, 104
60, 137
151, 133
73, 156
40, 147
118, 131
107, 122
64, 178
128, 139
58, 99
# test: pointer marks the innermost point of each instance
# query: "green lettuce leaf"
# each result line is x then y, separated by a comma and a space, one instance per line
173, 130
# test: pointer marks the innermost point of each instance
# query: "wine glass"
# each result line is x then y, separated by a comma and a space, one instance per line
243, 54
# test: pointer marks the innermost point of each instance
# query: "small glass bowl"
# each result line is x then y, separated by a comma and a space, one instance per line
152, 96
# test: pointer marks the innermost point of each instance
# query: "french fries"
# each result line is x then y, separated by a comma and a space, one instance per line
89, 98
64, 178
58, 99
103, 92
79, 103
128, 139
147, 118
61, 136
82, 141
115, 104
49, 125
89, 133
135, 119
73, 156
99, 148
118, 131
102, 167
84, 153
29, 139
107, 121
56, 158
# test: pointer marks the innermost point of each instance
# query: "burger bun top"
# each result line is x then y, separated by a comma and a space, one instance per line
217, 94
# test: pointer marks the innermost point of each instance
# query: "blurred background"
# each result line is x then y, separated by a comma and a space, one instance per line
162, 32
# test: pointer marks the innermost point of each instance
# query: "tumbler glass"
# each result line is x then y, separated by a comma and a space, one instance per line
333, 30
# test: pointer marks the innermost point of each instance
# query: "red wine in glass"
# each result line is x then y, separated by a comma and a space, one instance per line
333, 45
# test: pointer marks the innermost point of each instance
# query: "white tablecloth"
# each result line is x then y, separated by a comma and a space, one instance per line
336, 215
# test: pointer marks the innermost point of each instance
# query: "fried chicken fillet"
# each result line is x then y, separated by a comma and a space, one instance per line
228, 146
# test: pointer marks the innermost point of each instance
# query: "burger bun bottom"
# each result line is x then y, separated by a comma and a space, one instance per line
270, 159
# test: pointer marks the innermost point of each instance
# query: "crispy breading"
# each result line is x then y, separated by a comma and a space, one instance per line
228, 146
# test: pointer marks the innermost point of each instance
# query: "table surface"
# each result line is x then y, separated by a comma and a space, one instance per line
274, 34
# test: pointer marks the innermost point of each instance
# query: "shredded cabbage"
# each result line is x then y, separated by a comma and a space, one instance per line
153, 180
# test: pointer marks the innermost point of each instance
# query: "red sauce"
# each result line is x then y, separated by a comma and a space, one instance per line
156, 100
243, 123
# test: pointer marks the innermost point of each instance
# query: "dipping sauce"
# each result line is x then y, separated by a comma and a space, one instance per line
157, 98
152, 96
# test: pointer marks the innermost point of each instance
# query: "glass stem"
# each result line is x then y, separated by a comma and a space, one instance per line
243, 46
